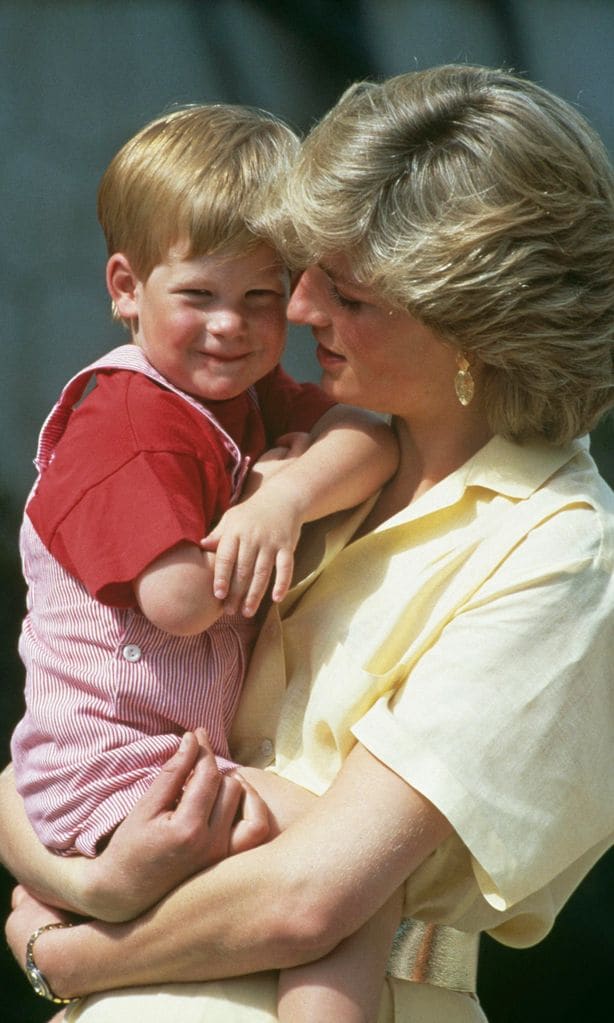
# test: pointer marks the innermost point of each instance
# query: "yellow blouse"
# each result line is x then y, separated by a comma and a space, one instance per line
467, 643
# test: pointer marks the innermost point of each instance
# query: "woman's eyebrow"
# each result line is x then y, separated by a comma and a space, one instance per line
340, 279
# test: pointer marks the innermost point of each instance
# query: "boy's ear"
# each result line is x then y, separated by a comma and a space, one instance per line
122, 286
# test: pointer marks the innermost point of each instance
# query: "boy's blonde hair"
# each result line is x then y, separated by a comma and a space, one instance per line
484, 205
203, 175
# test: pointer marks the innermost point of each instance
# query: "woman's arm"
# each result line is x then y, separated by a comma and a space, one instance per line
285, 903
53, 879
190, 817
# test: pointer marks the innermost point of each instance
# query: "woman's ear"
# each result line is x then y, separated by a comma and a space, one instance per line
122, 285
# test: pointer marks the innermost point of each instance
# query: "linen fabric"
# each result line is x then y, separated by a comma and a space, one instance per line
124, 476
466, 643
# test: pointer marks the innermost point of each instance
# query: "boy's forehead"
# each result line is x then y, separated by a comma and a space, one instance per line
259, 259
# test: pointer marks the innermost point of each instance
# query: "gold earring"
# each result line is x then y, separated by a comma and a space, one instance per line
464, 384
115, 313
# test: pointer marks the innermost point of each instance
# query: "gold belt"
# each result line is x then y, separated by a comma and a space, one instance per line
435, 954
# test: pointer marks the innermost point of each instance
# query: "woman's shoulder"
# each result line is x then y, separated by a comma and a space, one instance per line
584, 521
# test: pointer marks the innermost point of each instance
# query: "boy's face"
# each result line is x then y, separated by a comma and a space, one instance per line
213, 326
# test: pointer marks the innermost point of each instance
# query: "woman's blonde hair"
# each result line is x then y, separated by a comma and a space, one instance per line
202, 174
485, 206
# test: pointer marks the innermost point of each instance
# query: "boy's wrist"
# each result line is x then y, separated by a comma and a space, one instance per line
286, 493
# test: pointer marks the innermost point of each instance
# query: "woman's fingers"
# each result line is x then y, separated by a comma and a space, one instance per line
200, 794
222, 817
254, 826
168, 788
27, 915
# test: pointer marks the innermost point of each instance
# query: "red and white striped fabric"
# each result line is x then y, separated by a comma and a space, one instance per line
108, 695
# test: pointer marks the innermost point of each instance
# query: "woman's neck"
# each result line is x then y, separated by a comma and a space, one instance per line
425, 461
431, 452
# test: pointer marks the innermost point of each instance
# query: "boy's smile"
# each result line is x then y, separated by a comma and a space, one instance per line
212, 325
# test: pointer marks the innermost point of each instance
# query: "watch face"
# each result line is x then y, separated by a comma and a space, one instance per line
33, 973
38, 981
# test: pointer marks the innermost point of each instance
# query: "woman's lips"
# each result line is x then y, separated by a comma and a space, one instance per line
327, 358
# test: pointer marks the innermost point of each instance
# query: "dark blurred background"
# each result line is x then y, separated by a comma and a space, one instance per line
77, 78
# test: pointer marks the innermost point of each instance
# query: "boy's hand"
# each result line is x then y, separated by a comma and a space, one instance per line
259, 534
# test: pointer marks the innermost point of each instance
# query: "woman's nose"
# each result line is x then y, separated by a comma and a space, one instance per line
305, 305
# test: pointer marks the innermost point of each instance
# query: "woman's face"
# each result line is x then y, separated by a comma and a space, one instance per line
371, 355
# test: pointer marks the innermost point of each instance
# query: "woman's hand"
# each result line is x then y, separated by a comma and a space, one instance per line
27, 915
278, 907
190, 818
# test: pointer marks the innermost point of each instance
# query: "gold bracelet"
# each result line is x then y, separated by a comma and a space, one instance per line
34, 975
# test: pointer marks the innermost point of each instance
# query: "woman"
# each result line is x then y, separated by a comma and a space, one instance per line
445, 684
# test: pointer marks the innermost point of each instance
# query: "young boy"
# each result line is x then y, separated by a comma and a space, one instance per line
128, 642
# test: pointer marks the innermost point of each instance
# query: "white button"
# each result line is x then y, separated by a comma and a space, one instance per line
132, 652
266, 747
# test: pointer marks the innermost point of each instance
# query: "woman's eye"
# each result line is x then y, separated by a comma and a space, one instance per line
347, 303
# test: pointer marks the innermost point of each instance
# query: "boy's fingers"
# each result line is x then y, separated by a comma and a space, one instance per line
296, 443
241, 577
224, 569
284, 568
211, 540
259, 582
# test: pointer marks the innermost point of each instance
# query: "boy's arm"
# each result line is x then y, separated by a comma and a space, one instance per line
346, 985
351, 454
175, 592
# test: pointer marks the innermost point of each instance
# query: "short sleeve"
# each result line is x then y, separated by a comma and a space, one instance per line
151, 503
137, 471
506, 722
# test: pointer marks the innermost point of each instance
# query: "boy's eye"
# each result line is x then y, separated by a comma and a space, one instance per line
263, 295
196, 295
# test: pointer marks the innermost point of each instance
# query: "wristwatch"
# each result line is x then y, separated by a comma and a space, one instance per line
34, 975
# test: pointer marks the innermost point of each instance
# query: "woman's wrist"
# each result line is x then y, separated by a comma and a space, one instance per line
98, 892
59, 960
33, 972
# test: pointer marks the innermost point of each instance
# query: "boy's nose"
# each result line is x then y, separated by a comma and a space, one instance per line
304, 305
226, 321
